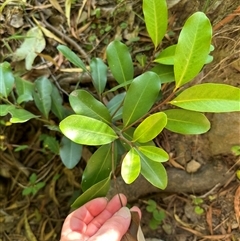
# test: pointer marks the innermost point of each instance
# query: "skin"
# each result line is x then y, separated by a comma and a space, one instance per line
98, 220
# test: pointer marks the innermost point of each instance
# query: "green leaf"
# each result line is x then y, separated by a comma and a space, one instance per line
34, 43
24, 90
154, 153
20, 148
140, 97
186, 122
83, 103
26, 191
99, 189
33, 178
57, 107
167, 55
87, 131
72, 57
192, 48
70, 153
120, 61
165, 72
158, 215
153, 224
209, 97
114, 106
42, 96
7, 79
156, 19
99, 74
20, 115
131, 166
154, 172
152, 205
4, 109
120, 86
150, 127
98, 167
50, 143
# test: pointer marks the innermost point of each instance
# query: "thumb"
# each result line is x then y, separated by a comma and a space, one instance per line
115, 227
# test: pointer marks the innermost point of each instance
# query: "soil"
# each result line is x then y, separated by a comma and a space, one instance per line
200, 168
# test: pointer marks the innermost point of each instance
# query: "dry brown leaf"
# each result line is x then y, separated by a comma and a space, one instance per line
132, 233
30, 235
56, 5
237, 205
209, 219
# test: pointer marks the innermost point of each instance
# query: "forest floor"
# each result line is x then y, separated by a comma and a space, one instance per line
212, 214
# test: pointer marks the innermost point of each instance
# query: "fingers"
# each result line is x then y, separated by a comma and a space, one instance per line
78, 220
136, 209
115, 227
112, 207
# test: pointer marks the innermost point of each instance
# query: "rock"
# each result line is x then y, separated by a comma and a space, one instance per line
224, 133
193, 166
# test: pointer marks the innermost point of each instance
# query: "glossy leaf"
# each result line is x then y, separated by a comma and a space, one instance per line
99, 74
125, 84
167, 55
72, 57
154, 153
34, 43
150, 127
20, 115
186, 122
99, 189
83, 103
98, 167
140, 97
165, 72
57, 103
114, 106
131, 166
87, 131
4, 109
70, 153
42, 96
154, 172
24, 90
192, 48
209, 97
120, 61
156, 19
7, 79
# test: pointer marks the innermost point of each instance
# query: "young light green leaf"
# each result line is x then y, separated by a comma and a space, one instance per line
98, 167
125, 84
120, 61
83, 103
20, 115
165, 72
114, 106
156, 19
34, 43
72, 57
4, 109
154, 153
99, 189
140, 97
209, 97
154, 172
167, 55
150, 127
131, 166
99, 74
70, 153
192, 48
57, 107
24, 90
186, 122
42, 96
87, 131
7, 79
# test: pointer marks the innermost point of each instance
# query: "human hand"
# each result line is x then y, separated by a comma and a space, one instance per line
98, 220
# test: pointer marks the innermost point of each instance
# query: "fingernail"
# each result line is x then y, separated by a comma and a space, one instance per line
124, 212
